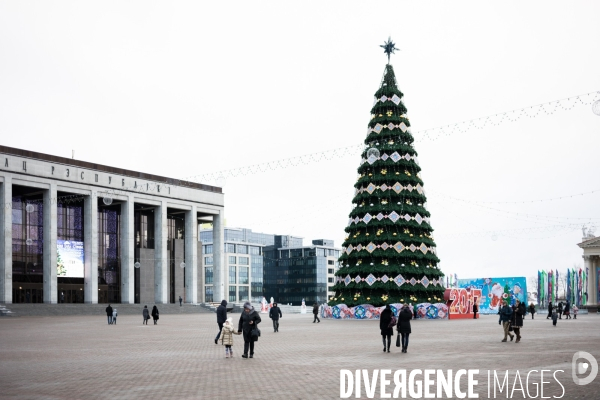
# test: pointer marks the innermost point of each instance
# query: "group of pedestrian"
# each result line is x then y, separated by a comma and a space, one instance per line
387, 322
146, 315
557, 312
111, 314
247, 327
511, 319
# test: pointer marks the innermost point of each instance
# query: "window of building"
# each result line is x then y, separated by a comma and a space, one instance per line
243, 275
232, 260
208, 294
296, 253
330, 262
320, 252
330, 271
242, 249
284, 254
229, 248
232, 296
244, 261
253, 250
207, 249
232, 274
330, 280
243, 293
208, 275
208, 261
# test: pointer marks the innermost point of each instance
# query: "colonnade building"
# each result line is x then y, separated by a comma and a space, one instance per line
78, 232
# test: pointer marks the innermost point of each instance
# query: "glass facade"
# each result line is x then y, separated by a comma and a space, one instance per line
243, 293
294, 274
109, 260
243, 275
208, 294
232, 279
208, 275
232, 294
27, 248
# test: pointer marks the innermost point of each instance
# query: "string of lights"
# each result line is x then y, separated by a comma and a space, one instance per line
533, 111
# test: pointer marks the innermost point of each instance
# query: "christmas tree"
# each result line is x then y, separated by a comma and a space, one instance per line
389, 254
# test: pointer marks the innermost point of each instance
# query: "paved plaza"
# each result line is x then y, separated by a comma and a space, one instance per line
81, 357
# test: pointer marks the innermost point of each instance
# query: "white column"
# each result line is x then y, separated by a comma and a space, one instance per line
191, 256
50, 231
127, 252
90, 248
592, 284
6, 241
161, 255
219, 275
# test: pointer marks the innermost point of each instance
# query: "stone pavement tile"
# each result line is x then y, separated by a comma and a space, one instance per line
82, 357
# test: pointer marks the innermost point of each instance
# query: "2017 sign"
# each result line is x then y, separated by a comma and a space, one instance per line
460, 302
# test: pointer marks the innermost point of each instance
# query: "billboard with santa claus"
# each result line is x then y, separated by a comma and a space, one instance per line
495, 290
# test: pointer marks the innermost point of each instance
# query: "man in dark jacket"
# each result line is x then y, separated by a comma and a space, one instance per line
109, 314
221, 317
505, 317
275, 314
316, 313
550, 307
560, 310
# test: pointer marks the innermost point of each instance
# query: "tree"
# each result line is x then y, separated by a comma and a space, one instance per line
389, 253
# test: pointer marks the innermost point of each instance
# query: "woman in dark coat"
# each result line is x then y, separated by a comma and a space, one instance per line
403, 326
386, 330
517, 319
146, 315
532, 310
155, 314
248, 321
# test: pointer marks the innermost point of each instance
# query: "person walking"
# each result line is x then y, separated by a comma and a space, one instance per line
109, 311
531, 310
567, 310
387, 321
316, 313
550, 308
155, 314
505, 317
180, 301
275, 314
221, 318
560, 310
403, 326
516, 321
114, 320
146, 315
554, 317
475, 310
249, 321
227, 337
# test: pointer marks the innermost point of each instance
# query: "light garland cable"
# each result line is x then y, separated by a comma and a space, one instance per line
328, 155
430, 134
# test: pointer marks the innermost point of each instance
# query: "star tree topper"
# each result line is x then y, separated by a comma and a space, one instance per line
389, 48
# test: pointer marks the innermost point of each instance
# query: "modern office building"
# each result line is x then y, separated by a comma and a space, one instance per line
79, 232
280, 267
243, 258
293, 272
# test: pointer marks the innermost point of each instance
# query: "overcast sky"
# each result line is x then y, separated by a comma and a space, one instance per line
181, 89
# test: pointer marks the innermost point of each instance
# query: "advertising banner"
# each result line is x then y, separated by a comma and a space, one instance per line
69, 259
495, 290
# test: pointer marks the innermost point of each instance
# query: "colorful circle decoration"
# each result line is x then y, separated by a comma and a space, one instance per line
432, 312
359, 312
442, 310
335, 311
